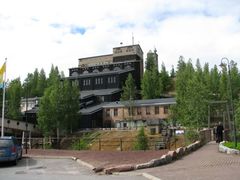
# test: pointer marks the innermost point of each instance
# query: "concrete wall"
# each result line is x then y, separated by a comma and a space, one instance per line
90, 61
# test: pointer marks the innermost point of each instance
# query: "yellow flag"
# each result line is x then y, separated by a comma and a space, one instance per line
2, 71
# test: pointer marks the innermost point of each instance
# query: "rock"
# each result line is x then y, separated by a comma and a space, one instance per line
121, 168
173, 154
167, 157
158, 162
145, 165
180, 152
98, 169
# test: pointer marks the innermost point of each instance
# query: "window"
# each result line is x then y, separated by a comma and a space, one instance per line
109, 80
139, 112
147, 110
84, 82
165, 109
114, 79
115, 112
107, 112
130, 111
156, 109
76, 82
101, 80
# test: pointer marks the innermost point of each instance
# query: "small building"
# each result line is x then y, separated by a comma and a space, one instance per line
137, 113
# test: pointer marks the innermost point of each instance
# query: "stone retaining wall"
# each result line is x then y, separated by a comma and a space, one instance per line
164, 159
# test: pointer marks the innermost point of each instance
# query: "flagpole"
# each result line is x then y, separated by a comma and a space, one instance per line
2, 132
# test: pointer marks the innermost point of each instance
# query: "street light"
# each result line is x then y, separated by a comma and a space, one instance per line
231, 98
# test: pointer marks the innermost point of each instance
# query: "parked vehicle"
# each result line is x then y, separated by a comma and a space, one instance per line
10, 149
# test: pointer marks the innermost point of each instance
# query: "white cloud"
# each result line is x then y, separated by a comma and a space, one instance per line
208, 30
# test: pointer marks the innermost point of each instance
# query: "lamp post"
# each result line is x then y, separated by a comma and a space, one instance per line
230, 97
26, 119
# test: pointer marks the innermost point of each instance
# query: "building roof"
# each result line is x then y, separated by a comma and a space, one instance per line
99, 92
93, 109
146, 102
102, 73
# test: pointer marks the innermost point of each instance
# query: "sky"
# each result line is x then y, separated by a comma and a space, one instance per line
39, 33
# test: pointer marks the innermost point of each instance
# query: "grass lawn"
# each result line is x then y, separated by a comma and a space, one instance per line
231, 145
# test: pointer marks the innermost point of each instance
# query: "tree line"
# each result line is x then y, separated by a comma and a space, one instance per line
193, 86
59, 104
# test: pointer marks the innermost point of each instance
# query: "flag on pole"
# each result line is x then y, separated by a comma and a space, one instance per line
2, 71
2, 79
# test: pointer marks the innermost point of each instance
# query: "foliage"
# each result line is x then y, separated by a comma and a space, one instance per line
142, 141
13, 99
191, 135
150, 61
232, 145
165, 79
80, 144
58, 107
129, 90
192, 87
237, 115
35, 84
151, 84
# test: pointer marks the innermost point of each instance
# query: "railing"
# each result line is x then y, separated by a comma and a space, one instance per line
98, 144
19, 125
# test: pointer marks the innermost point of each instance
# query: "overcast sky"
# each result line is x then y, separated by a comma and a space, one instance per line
38, 33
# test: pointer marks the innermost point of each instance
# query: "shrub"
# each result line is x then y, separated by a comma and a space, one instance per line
231, 145
80, 144
142, 141
191, 135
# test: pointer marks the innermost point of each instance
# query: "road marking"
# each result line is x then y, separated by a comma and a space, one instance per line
149, 176
27, 164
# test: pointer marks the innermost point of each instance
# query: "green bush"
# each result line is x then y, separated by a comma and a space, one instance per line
142, 141
232, 145
191, 136
80, 144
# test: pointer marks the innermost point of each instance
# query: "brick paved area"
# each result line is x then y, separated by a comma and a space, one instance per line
204, 164
103, 158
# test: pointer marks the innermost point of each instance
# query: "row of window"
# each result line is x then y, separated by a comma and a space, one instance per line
86, 82
111, 80
138, 111
98, 81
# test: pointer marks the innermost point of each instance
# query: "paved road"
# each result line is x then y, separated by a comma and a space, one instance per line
204, 164
52, 169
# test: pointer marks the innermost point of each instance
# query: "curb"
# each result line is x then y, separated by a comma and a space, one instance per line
227, 150
47, 157
169, 157
149, 176
79, 161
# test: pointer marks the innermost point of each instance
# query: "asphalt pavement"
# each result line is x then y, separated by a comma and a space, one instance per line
52, 169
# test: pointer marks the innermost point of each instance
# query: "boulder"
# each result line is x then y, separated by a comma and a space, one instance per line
121, 168
173, 154
145, 165
98, 169
180, 152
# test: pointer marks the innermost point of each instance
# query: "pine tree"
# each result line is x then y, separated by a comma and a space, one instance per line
14, 99
142, 141
129, 90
